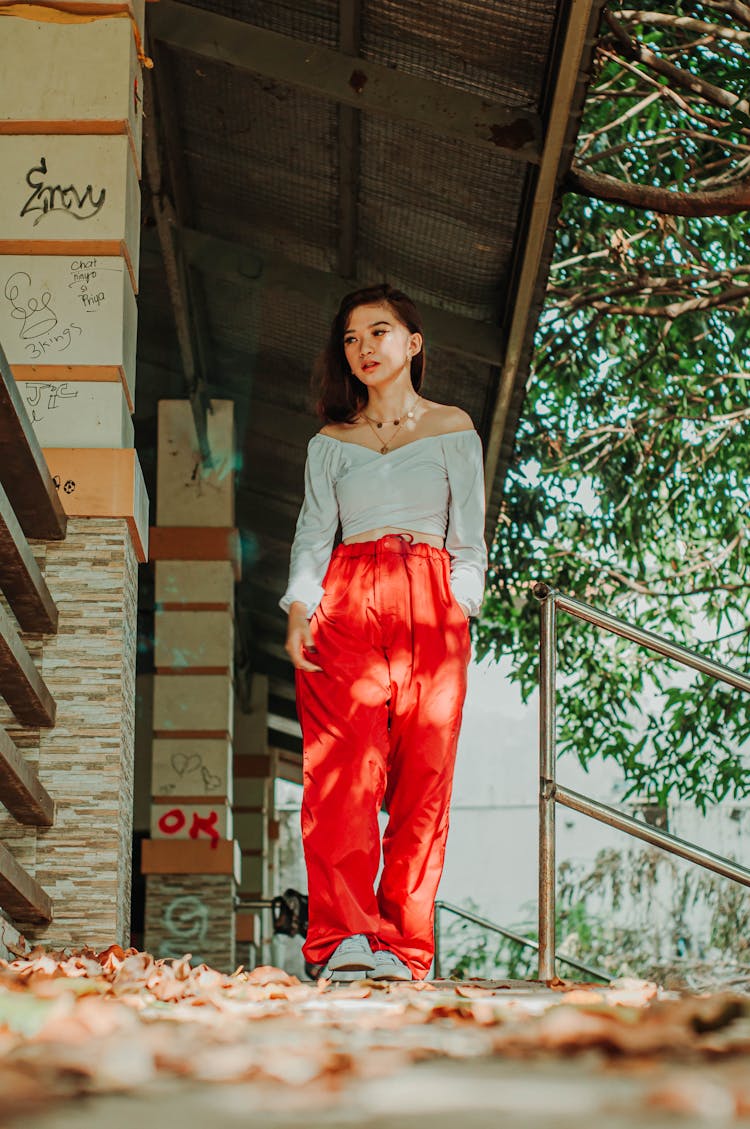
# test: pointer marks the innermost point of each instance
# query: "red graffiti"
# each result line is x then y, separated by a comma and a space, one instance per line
172, 822
207, 825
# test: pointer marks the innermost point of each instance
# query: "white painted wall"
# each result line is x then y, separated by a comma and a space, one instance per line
492, 849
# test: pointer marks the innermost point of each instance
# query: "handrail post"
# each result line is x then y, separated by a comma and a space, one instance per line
437, 970
547, 758
550, 795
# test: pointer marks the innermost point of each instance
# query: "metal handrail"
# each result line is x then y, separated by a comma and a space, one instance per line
550, 793
519, 939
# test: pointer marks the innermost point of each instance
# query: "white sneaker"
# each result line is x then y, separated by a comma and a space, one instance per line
344, 977
352, 955
389, 967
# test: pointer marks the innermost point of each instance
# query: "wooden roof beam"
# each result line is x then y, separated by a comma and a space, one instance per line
350, 80
22, 898
583, 20
178, 283
20, 682
21, 581
452, 332
20, 789
179, 181
23, 469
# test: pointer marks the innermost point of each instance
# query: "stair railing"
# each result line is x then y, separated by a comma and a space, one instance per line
551, 793
518, 939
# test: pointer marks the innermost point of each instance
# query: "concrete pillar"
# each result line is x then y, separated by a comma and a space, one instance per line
191, 861
255, 823
69, 235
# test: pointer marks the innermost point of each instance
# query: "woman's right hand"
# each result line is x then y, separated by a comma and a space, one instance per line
299, 638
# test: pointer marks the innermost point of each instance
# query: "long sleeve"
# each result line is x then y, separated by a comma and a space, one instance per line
316, 527
464, 539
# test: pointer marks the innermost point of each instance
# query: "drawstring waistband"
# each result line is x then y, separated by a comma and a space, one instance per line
400, 543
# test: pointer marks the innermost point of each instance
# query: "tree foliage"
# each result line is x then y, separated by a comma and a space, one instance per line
629, 487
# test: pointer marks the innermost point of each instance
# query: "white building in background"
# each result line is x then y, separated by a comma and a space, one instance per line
491, 859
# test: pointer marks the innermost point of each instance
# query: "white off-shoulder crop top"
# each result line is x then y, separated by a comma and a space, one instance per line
432, 485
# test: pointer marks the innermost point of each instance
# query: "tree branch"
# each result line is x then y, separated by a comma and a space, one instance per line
591, 255
736, 8
699, 282
666, 19
717, 202
677, 309
716, 95
684, 104
666, 142
664, 90
631, 113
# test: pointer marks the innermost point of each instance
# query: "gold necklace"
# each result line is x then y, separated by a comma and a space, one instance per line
376, 424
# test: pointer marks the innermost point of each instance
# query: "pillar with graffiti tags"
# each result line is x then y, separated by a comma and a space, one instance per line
70, 145
191, 861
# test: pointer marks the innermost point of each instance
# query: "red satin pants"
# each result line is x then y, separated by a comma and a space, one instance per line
380, 725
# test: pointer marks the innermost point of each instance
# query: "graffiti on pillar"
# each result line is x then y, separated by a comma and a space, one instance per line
210, 780
193, 823
191, 776
46, 196
31, 303
53, 343
205, 825
68, 487
43, 398
85, 280
172, 822
185, 922
31, 308
186, 764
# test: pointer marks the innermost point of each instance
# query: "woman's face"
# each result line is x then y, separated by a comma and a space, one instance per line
376, 345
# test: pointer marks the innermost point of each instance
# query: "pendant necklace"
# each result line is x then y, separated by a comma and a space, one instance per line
376, 424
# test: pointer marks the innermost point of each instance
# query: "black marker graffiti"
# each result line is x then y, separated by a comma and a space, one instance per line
47, 198
35, 393
32, 310
211, 781
186, 765
84, 273
92, 302
69, 486
53, 342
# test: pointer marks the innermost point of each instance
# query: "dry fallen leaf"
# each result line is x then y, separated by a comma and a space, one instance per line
268, 975
116, 1020
584, 996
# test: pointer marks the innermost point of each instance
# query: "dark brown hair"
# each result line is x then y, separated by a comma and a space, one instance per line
340, 395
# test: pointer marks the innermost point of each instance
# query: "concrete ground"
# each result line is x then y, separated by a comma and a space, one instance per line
118, 1041
481, 1094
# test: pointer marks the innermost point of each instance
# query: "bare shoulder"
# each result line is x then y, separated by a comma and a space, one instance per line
336, 430
445, 418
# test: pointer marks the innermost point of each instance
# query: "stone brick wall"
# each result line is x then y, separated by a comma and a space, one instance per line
86, 761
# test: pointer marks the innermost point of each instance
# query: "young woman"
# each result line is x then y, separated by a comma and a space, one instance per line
379, 635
